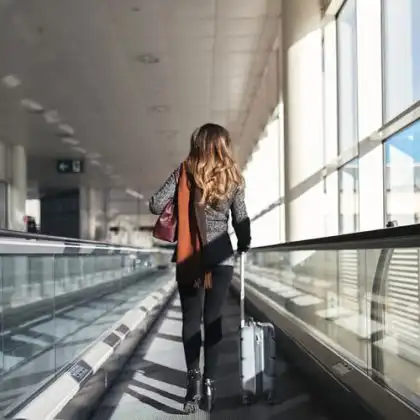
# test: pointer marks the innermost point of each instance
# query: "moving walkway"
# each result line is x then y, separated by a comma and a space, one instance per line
346, 313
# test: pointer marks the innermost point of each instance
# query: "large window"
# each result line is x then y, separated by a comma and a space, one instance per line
348, 179
369, 63
401, 55
347, 76
330, 121
269, 226
402, 175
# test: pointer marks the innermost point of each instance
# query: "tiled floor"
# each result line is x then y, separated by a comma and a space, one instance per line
152, 384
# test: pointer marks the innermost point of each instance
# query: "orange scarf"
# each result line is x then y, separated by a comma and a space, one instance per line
191, 227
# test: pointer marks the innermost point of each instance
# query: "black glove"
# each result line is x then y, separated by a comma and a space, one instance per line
242, 248
243, 233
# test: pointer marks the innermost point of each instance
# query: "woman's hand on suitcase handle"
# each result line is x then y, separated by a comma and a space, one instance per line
243, 249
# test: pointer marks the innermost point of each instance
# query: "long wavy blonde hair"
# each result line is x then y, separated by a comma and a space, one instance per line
211, 163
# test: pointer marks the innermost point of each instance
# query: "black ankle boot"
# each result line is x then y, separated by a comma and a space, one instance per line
208, 395
192, 398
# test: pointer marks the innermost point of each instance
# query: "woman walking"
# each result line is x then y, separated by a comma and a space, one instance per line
207, 188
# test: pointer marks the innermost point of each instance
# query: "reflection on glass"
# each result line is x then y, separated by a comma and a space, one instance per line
396, 350
306, 283
371, 315
35, 345
401, 55
402, 175
347, 76
348, 180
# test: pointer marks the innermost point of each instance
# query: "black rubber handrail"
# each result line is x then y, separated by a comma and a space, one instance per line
393, 237
36, 236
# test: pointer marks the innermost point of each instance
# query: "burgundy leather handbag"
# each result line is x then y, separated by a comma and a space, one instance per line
166, 224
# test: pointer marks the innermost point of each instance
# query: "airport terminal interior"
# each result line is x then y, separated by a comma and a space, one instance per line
98, 100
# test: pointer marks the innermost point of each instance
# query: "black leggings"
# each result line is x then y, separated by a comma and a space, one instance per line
192, 300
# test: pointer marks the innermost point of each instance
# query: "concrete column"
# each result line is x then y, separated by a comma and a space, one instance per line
3, 162
17, 189
303, 119
3, 186
84, 212
93, 214
97, 218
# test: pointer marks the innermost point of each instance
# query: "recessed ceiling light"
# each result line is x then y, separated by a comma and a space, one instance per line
159, 108
79, 150
95, 163
66, 129
134, 194
11, 81
94, 156
52, 117
70, 140
148, 59
32, 105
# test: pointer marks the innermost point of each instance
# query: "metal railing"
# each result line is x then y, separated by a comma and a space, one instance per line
358, 294
57, 295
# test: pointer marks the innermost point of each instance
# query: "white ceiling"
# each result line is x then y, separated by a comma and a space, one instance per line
81, 58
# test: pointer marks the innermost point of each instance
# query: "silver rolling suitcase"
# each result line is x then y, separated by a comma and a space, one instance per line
257, 353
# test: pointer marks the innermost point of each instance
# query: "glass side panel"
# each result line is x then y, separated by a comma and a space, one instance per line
54, 306
362, 303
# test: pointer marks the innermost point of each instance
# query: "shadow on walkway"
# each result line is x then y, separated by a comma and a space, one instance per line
153, 383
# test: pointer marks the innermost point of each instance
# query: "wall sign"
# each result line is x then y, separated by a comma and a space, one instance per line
69, 166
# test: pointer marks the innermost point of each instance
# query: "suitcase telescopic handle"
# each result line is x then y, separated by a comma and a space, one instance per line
242, 289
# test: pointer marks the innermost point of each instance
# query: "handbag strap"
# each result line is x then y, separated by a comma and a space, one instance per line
177, 176
179, 172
